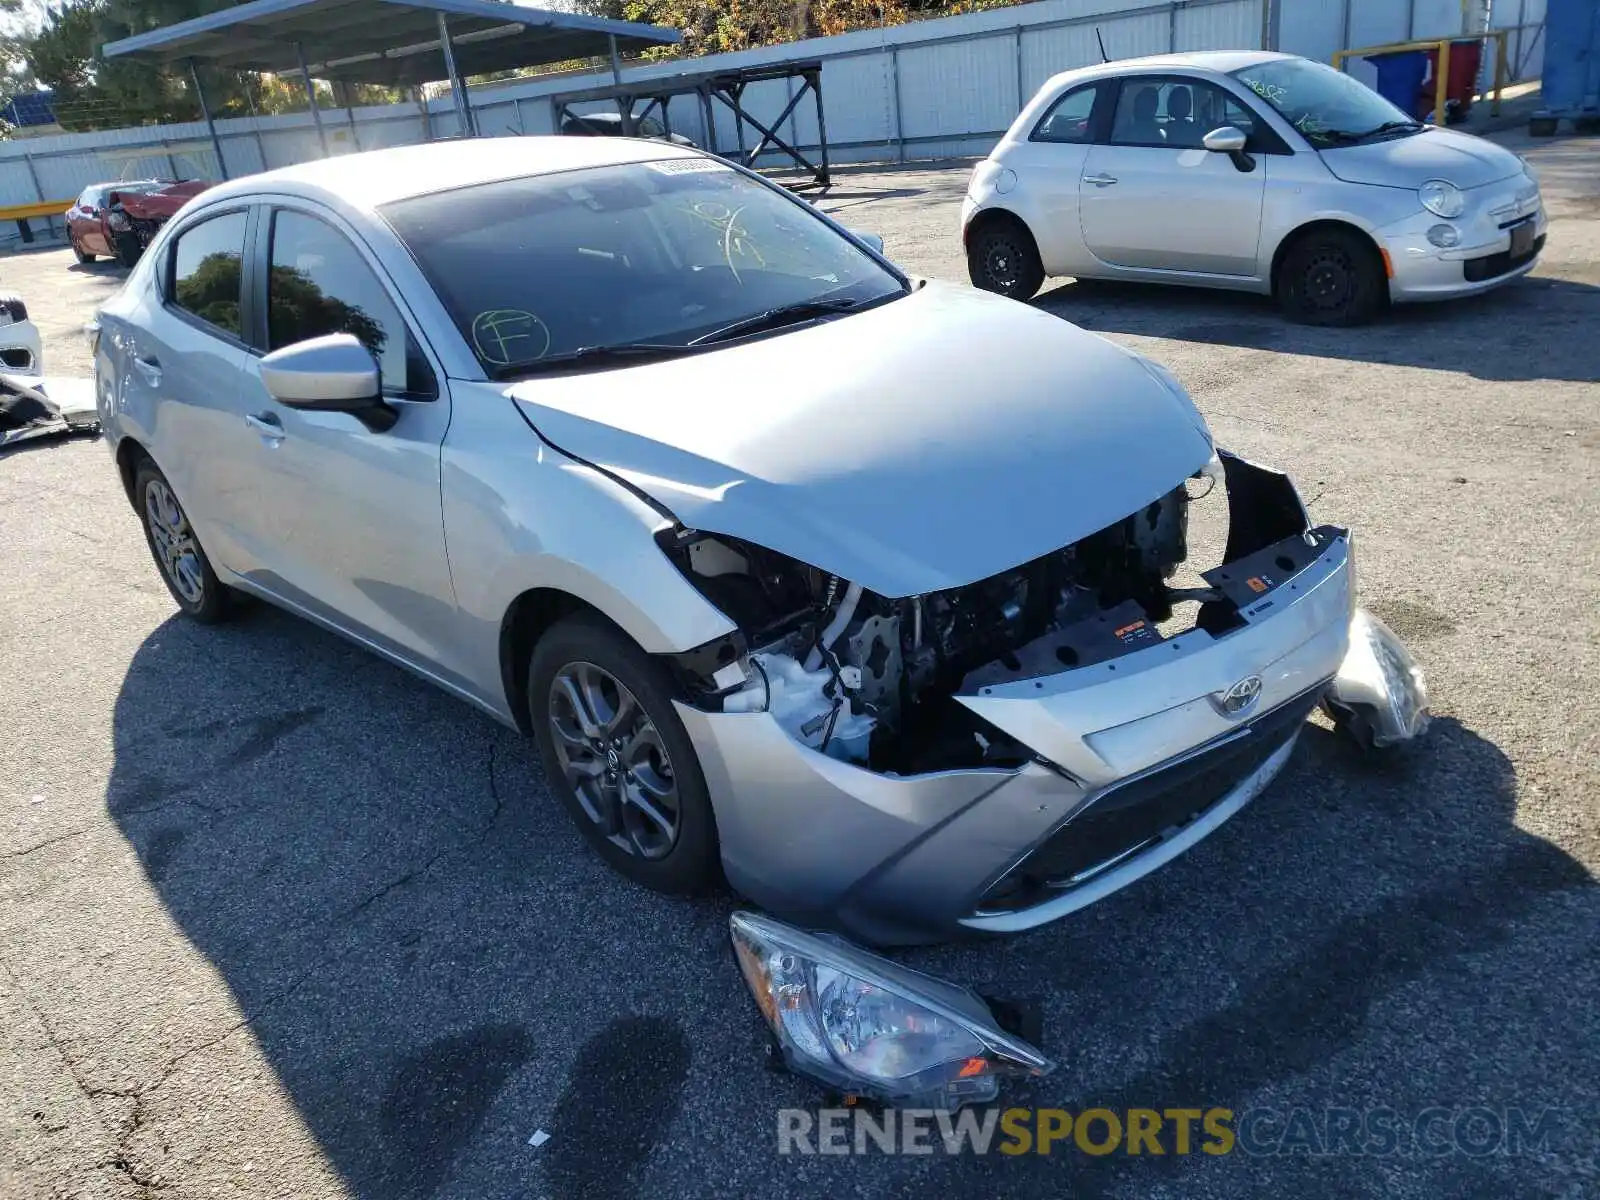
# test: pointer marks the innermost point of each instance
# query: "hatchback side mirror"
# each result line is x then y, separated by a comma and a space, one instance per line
1230, 140
333, 373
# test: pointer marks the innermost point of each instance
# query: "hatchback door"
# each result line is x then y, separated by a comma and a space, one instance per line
347, 521
1154, 198
1048, 167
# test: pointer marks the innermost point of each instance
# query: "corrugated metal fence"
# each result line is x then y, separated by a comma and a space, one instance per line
930, 89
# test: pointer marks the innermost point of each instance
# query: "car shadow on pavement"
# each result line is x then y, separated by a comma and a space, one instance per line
436, 968
1532, 329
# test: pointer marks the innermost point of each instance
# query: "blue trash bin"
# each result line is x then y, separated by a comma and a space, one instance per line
1571, 83
1400, 76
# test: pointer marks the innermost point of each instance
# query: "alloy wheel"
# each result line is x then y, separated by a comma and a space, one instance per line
176, 550
612, 755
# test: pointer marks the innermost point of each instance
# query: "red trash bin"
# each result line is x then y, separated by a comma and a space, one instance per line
1465, 59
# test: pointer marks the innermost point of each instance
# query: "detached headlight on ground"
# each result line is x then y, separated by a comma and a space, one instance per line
1379, 692
868, 1026
1442, 198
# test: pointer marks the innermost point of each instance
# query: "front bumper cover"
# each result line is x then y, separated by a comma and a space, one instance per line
906, 859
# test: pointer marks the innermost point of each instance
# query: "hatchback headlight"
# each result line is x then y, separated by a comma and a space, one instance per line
870, 1027
1442, 198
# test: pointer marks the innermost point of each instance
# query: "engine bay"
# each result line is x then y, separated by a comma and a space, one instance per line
871, 679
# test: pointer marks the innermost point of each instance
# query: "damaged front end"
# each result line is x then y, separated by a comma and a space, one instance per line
993, 756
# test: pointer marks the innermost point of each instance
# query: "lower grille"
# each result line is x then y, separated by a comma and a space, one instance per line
1145, 810
17, 357
1491, 265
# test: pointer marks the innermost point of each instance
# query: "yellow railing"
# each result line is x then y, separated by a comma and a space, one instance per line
1441, 81
47, 208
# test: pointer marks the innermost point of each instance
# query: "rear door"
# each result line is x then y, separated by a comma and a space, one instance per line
184, 365
349, 522
1153, 197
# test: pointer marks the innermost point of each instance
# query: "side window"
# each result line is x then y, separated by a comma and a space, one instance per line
319, 284
1177, 113
206, 271
1070, 119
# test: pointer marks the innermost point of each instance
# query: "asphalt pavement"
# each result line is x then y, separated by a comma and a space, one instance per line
277, 919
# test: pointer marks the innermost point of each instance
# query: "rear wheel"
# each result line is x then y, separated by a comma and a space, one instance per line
618, 757
184, 567
1331, 277
1002, 258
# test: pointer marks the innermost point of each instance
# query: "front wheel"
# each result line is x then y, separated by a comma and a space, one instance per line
174, 545
79, 253
1331, 277
618, 757
1002, 258
129, 250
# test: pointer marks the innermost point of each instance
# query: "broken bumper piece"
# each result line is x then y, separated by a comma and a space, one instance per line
1380, 694
865, 1026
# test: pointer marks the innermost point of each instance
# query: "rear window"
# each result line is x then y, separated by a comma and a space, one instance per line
658, 252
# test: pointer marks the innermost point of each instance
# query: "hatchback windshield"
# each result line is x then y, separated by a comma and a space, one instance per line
640, 255
1328, 107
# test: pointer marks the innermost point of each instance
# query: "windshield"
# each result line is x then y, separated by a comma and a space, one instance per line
656, 253
1329, 108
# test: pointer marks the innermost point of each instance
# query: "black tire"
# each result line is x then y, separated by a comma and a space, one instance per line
1331, 277
194, 585
129, 251
689, 860
1542, 126
1002, 258
82, 255
1585, 126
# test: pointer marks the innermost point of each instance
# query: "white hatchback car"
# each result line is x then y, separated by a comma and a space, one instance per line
1253, 171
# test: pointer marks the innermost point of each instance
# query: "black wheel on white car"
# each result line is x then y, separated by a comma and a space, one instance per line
1331, 277
175, 546
618, 757
1002, 258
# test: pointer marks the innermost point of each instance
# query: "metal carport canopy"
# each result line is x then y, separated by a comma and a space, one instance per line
392, 42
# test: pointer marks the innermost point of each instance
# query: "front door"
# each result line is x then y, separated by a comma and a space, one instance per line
351, 522
1153, 197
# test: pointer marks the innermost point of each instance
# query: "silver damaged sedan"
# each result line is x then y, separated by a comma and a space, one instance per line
1252, 171
857, 589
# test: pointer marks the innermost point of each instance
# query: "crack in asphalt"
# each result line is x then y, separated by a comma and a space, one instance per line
468, 843
62, 837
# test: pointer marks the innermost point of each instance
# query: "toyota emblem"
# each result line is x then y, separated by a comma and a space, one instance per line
1241, 697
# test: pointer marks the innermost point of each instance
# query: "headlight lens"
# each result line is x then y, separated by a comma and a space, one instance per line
868, 1026
1379, 676
1444, 236
1442, 198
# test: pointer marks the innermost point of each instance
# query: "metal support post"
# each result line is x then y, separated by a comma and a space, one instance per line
211, 126
311, 97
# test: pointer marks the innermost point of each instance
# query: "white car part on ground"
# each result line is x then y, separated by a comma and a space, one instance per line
1380, 693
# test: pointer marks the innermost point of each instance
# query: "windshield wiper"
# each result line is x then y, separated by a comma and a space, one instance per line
772, 318
597, 355
1389, 127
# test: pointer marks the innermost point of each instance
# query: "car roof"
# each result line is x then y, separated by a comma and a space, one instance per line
1217, 61
376, 177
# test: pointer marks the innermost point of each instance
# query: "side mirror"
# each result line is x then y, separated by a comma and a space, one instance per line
1229, 139
333, 373
870, 240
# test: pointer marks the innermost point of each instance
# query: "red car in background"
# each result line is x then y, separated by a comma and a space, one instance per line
120, 219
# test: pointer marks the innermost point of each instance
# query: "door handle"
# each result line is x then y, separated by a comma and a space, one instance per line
267, 425
1100, 180
150, 369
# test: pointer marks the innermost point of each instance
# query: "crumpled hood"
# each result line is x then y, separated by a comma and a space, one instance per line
1409, 162
924, 444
